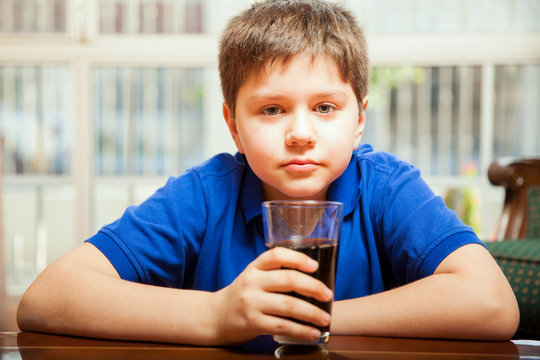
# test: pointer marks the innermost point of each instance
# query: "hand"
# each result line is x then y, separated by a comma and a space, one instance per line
254, 304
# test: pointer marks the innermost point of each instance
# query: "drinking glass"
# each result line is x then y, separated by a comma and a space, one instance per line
313, 228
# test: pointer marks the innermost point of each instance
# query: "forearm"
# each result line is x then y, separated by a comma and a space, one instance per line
89, 303
476, 304
82, 294
429, 308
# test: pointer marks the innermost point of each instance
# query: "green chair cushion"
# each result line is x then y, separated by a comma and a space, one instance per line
533, 212
520, 262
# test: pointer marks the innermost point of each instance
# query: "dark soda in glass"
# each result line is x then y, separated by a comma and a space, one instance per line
324, 252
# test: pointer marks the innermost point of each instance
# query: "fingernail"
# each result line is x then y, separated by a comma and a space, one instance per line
326, 318
328, 293
312, 263
315, 334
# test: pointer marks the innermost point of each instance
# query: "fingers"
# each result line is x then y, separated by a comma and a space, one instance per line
272, 300
283, 281
280, 313
287, 306
276, 279
280, 326
280, 257
244, 312
255, 302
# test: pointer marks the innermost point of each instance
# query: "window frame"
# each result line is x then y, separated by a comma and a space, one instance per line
81, 48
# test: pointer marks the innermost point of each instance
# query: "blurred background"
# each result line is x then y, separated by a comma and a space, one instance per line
102, 100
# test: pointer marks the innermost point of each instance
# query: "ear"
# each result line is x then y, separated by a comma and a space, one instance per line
361, 124
231, 124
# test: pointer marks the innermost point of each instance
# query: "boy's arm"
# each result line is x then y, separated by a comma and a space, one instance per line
82, 294
467, 297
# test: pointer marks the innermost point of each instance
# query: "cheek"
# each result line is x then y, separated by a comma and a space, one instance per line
341, 146
342, 135
257, 142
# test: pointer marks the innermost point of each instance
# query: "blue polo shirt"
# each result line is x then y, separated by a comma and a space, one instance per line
202, 228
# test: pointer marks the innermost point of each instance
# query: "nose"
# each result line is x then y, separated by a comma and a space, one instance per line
300, 132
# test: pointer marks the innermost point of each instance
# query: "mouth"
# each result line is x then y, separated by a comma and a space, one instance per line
301, 165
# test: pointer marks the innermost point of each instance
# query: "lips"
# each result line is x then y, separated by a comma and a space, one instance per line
301, 165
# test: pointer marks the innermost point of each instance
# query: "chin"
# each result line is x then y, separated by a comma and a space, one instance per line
306, 195
297, 192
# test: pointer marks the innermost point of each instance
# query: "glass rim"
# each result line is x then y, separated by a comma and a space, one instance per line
301, 203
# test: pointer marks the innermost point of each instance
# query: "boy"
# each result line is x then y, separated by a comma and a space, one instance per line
294, 76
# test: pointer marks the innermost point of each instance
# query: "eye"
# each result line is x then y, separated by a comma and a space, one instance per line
272, 111
325, 108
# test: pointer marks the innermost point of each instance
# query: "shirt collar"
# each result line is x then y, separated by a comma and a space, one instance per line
345, 189
251, 192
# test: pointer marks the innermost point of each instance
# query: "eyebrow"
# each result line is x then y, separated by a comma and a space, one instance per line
274, 96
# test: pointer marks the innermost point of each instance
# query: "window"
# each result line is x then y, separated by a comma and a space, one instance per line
147, 121
151, 17
96, 110
32, 17
427, 115
35, 106
102, 100
516, 126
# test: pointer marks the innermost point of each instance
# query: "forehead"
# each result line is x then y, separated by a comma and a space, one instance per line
306, 65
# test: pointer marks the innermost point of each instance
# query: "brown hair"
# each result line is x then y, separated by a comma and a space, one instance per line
273, 30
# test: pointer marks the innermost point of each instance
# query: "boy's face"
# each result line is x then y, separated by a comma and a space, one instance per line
297, 124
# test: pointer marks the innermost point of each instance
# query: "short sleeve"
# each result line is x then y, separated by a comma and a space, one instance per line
417, 229
158, 241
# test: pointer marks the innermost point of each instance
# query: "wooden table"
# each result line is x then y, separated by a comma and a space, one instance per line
44, 347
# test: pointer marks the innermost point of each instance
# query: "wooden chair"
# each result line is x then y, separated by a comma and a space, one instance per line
520, 178
520, 220
520, 262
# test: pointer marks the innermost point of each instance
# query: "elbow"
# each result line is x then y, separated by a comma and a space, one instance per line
500, 319
25, 314
510, 325
32, 314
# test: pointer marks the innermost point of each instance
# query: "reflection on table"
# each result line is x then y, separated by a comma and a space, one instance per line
31, 346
